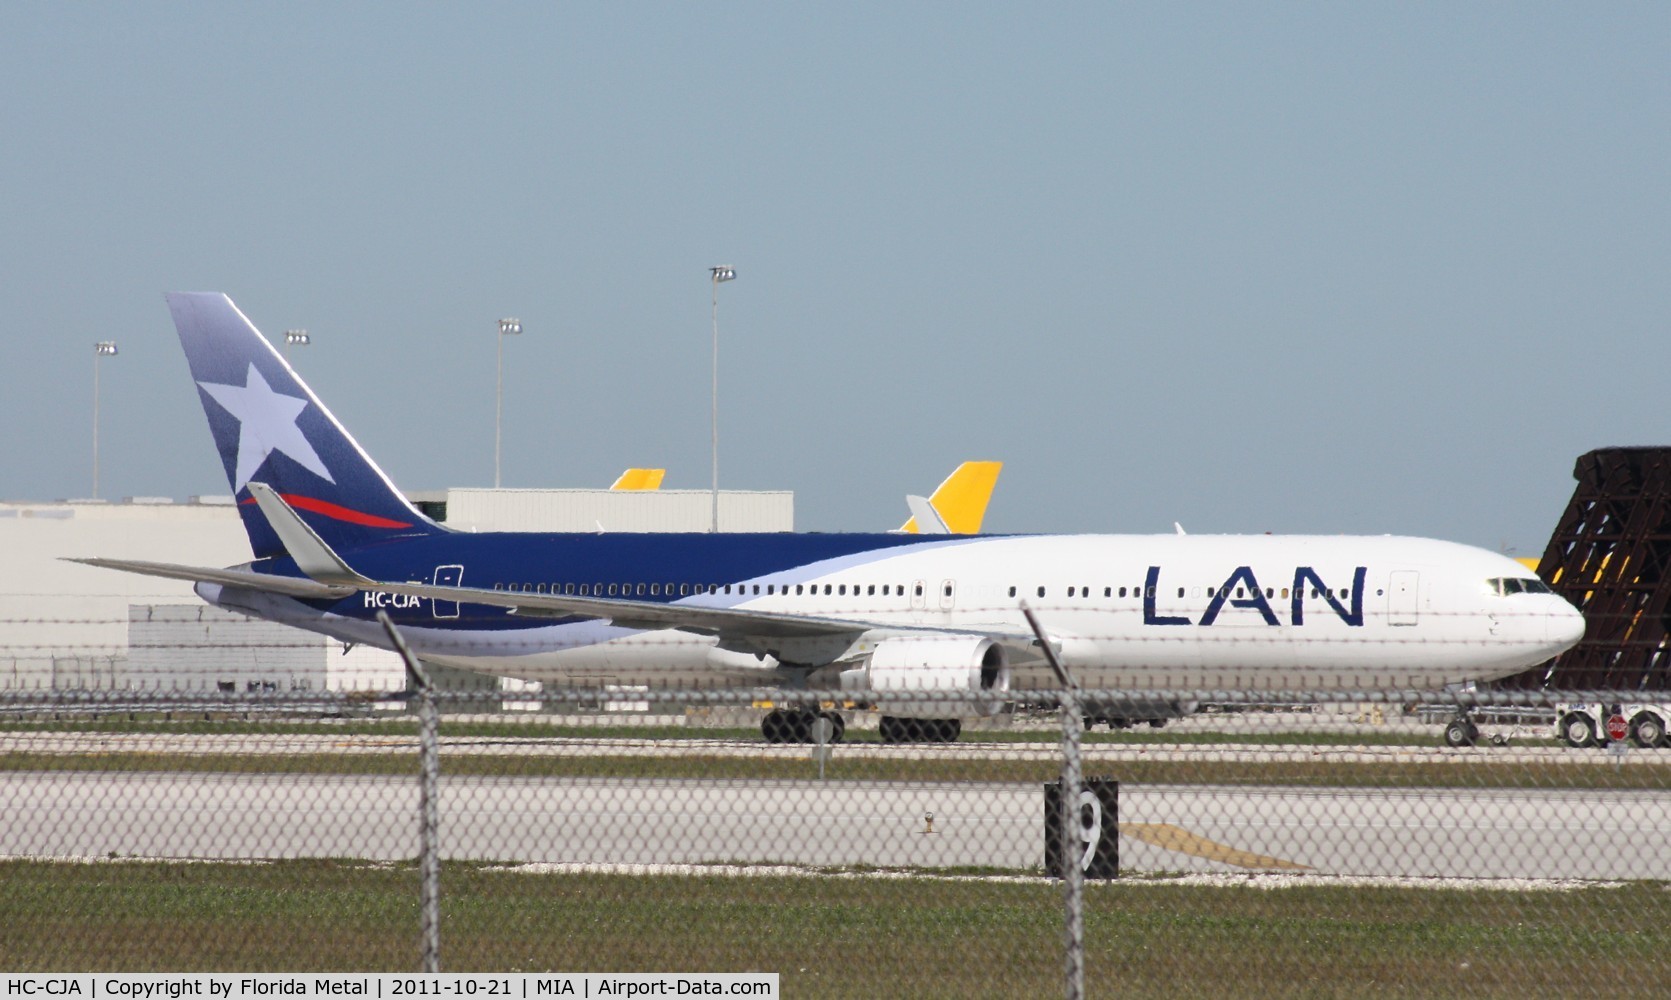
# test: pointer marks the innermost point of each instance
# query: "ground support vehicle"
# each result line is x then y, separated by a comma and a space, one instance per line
1584, 724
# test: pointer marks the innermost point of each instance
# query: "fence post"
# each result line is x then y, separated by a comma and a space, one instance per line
429, 769
1073, 876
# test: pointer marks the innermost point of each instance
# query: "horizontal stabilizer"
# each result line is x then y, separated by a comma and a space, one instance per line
289, 586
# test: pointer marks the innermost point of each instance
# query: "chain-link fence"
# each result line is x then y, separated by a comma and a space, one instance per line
1314, 845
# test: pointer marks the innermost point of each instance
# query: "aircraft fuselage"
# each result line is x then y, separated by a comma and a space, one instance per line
1265, 612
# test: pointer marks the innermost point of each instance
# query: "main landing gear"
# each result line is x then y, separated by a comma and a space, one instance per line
897, 730
794, 725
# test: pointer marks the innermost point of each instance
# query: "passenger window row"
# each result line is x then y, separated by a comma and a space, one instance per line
1343, 593
899, 590
688, 589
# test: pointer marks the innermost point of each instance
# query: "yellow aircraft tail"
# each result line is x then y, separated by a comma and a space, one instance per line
961, 500
640, 479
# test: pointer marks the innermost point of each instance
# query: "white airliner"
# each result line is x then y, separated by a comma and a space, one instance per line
889, 615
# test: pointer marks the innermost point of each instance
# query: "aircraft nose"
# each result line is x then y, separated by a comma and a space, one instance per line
1565, 625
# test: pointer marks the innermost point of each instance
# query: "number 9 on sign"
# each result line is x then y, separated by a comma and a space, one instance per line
1090, 826
1098, 831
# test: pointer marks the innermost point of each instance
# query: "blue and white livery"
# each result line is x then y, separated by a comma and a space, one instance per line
335, 542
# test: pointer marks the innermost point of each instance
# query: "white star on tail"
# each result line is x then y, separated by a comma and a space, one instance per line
266, 423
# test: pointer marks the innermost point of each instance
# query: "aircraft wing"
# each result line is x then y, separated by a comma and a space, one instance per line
330, 577
632, 614
738, 624
724, 622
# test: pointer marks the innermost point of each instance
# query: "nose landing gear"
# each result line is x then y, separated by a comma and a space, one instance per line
1461, 732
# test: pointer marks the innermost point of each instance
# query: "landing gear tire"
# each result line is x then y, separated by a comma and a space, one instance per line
1647, 731
775, 727
898, 730
909, 731
795, 726
1577, 731
838, 725
1461, 733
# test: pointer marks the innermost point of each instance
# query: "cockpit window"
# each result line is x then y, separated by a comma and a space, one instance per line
1505, 586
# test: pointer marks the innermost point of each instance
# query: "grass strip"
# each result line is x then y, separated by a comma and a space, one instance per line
841, 936
1481, 773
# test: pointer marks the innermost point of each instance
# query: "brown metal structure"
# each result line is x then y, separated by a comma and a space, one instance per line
1611, 557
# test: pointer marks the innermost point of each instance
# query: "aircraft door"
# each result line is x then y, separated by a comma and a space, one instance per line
447, 576
1402, 590
948, 594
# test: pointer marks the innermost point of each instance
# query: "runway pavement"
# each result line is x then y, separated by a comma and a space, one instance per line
1450, 833
1045, 748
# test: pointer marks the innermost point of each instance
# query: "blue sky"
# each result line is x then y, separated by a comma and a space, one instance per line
1289, 267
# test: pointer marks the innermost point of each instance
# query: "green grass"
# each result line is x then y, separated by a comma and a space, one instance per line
841, 936
1306, 773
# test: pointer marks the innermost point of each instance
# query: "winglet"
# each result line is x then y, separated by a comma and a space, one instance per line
961, 500
304, 545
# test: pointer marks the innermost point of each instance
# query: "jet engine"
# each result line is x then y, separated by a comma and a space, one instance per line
963, 674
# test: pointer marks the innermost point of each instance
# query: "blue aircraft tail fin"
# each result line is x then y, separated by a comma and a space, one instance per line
269, 427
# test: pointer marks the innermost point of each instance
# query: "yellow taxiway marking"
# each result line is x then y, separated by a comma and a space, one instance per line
1176, 838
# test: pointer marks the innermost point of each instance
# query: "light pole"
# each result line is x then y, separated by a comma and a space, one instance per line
103, 348
512, 326
296, 338
723, 272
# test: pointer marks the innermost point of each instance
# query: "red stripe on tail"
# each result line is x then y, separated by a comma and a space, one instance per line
337, 513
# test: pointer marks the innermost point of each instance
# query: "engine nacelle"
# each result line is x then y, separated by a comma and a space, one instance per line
970, 674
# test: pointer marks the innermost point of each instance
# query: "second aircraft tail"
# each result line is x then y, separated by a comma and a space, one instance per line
961, 500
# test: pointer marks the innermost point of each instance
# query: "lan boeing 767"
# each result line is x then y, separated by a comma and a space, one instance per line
894, 615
